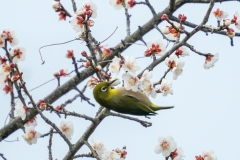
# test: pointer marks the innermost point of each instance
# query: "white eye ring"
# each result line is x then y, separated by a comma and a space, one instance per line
104, 89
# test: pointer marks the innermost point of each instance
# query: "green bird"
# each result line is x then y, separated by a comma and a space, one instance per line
125, 101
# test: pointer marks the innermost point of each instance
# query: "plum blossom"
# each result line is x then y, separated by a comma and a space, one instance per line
209, 155
117, 4
182, 52
147, 88
146, 85
90, 6
236, 20
129, 3
171, 61
21, 110
88, 9
31, 135
99, 147
121, 152
18, 54
165, 87
111, 155
67, 128
230, 32
166, 146
8, 88
170, 32
10, 36
77, 23
211, 60
130, 65
131, 82
178, 69
31, 122
92, 82
177, 154
156, 47
219, 14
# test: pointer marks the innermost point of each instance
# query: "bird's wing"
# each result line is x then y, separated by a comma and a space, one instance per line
140, 106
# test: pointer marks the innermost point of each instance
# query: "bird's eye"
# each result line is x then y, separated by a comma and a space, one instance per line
103, 89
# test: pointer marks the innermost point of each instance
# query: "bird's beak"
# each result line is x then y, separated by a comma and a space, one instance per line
112, 82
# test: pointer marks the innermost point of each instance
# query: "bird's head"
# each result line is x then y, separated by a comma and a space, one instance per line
102, 89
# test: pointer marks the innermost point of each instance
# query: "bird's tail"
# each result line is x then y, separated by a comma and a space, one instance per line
156, 108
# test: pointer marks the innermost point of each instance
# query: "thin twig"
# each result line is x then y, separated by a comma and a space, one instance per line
160, 81
195, 51
109, 36
74, 5
143, 123
54, 45
1, 155
127, 21
50, 144
83, 155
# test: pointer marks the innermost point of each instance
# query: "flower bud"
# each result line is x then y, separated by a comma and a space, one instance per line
84, 54
98, 68
90, 23
69, 54
164, 17
86, 64
230, 33
182, 18
226, 22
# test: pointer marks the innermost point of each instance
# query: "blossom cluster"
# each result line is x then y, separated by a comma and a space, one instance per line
103, 153
119, 4
222, 16
168, 147
8, 72
81, 19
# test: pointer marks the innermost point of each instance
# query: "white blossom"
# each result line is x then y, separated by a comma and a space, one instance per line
115, 65
211, 60
111, 155
236, 20
131, 82
31, 122
182, 51
90, 5
67, 128
219, 14
178, 69
116, 4
171, 61
165, 87
92, 82
130, 65
21, 110
209, 155
77, 26
166, 146
10, 36
99, 147
31, 135
18, 53
157, 47
56, 5
177, 154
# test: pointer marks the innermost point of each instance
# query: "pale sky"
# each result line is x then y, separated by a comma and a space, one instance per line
206, 101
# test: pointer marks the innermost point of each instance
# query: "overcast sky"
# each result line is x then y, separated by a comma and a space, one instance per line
206, 113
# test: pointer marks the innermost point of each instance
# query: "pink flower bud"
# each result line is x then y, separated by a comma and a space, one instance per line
182, 18
86, 64
90, 23
84, 54
164, 17
69, 54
